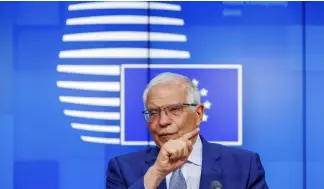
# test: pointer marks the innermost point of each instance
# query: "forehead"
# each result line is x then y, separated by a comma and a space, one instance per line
165, 94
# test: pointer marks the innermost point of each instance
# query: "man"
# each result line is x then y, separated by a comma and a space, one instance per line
182, 159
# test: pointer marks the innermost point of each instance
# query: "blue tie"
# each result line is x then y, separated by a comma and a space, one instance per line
177, 180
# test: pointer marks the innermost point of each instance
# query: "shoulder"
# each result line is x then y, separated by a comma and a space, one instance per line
126, 169
236, 152
236, 155
132, 157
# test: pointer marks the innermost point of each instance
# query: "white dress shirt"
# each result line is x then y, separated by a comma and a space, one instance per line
191, 169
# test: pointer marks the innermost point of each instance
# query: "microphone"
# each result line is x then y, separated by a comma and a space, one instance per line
216, 185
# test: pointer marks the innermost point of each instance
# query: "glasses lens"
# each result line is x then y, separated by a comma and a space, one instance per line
175, 109
147, 116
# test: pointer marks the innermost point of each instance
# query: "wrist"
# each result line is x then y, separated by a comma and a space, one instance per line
152, 178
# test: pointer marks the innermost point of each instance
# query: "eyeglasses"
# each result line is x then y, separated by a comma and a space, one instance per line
175, 110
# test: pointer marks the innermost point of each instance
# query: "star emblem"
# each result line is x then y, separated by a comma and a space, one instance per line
203, 92
195, 82
207, 104
205, 117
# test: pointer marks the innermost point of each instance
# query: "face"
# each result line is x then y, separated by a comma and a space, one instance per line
171, 125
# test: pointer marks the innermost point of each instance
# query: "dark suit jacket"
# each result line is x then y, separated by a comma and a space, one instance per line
235, 168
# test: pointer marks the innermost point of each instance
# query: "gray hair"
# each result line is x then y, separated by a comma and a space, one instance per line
193, 96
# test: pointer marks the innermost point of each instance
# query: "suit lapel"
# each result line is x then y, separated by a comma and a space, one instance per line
151, 157
163, 185
211, 167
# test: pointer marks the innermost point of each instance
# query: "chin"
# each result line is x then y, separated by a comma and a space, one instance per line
166, 138
160, 142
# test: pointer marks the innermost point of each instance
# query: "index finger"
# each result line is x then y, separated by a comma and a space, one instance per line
190, 135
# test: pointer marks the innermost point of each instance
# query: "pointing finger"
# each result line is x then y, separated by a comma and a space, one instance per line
190, 135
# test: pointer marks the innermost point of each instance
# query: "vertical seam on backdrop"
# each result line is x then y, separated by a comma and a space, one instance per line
149, 57
304, 97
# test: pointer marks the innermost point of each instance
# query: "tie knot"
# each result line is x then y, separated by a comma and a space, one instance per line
178, 170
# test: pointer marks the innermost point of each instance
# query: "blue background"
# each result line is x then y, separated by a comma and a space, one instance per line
279, 45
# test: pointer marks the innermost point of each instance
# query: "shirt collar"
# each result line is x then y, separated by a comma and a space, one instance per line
195, 156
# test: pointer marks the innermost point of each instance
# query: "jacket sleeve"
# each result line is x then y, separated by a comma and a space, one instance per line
115, 180
257, 174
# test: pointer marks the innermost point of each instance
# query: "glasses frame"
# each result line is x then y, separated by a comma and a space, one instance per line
146, 112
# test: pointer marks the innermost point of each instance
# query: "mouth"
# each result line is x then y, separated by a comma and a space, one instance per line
167, 136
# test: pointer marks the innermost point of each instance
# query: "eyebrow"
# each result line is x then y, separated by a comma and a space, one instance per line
179, 103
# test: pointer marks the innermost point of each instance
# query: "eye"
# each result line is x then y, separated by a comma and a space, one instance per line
175, 109
153, 112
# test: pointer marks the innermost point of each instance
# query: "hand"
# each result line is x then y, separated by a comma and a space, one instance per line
173, 154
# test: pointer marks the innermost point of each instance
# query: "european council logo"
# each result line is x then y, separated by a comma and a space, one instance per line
105, 67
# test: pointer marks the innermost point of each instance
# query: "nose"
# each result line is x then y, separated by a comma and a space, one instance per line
164, 119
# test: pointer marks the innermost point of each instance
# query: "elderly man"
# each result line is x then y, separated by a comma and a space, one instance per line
182, 158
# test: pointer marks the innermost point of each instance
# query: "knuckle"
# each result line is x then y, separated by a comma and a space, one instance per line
172, 150
183, 144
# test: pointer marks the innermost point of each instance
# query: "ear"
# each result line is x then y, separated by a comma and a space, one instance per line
200, 113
